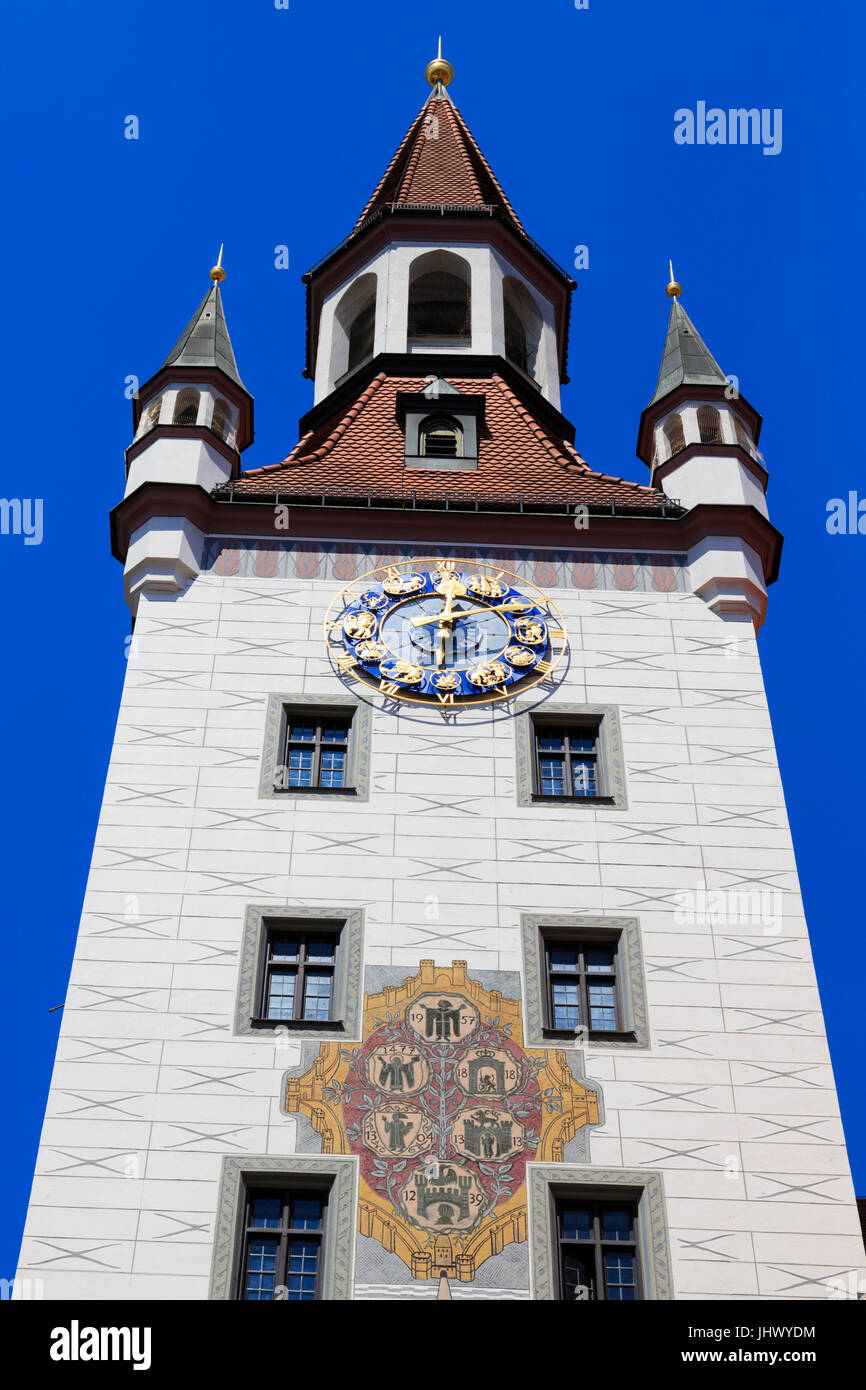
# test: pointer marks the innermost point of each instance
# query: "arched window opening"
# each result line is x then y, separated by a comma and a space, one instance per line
515, 338
743, 437
354, 327
221, 420
150, 419
440, 298
522, 324
186, 407
673, 428
440, 437
709, 424
361, 335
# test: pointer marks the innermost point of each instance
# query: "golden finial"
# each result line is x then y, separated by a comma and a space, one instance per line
440, 70
216, 271
673, 289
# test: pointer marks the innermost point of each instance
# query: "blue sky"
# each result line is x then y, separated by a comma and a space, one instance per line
261, 127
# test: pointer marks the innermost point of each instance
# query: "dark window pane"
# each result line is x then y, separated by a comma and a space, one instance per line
317, 997
577, 1279
321, 948
551, 741
303, 1260
552, 777
302, 732
281, 994
600, 958
300, 767
335, 733
566, 1005
307, 1213
616, 1223
583, 777
261, 1274
333, 767
582, 743
284, 948
577, 1223
265, 1211
563, 958
619, 1275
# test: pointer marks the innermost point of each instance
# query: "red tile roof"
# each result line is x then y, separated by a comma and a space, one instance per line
517, 455
439, 164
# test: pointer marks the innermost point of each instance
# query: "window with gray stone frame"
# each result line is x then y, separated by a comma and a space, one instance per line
316, 747
570, 755
300, 972
554, 1189
591, 966
240, 1259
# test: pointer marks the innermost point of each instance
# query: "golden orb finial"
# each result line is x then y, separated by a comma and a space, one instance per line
216, 271
440, 70
673, 290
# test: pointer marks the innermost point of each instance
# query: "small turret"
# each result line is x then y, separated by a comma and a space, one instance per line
699, 436
194, 417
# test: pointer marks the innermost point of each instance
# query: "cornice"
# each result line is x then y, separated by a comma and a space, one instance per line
541, 528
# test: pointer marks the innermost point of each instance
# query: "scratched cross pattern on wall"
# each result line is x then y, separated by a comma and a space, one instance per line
444, 1108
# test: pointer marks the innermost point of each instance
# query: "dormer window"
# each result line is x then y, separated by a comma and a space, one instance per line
186, 407
440, 437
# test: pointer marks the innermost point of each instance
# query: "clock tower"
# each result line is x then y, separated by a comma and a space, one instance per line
443, 936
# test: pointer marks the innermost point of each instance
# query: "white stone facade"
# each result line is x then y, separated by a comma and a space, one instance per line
734, 1101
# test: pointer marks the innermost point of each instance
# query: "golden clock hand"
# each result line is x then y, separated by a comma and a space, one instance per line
512, 606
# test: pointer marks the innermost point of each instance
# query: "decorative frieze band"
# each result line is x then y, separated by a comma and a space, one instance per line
343, 562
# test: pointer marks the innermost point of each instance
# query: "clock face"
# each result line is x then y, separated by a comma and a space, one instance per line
445, 632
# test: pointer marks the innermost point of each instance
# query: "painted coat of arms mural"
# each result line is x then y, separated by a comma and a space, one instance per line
444, 1108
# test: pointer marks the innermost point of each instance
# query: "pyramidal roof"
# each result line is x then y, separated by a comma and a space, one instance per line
686, 361
205, 341
437, 165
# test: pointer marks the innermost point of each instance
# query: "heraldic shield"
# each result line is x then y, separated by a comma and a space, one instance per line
444, 1108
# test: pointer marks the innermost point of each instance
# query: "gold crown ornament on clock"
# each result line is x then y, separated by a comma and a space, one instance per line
445, 632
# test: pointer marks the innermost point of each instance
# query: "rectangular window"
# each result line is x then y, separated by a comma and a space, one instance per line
598, 1254
566, 760
315, 752
582, 987
298, 974
282, 1246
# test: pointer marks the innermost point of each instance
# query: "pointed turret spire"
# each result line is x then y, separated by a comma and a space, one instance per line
205, 341
686, 360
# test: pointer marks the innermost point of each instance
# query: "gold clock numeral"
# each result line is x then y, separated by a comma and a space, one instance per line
331, 627
557, 633
502, 689
389, 687
345, 663
444, 699
544, 667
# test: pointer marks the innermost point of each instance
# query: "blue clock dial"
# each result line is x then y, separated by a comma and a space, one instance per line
470, 639
445, 635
